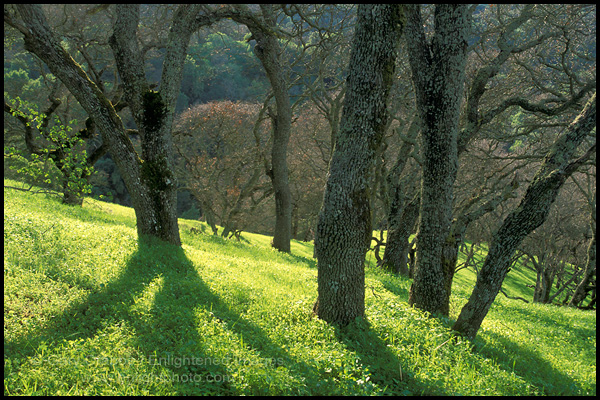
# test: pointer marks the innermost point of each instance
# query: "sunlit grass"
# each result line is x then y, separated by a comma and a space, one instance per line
90, 311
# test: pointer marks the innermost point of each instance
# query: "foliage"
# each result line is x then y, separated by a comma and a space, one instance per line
222, 68
221, 159
61, 149
90, 311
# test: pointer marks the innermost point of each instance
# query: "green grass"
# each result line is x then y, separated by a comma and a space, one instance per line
90, 311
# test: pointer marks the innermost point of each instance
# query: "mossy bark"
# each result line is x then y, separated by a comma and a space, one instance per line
344, 225
531, 213
438, 71
148, 178
156, 174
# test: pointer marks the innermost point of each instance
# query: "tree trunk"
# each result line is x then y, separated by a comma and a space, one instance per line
344, 226
531, 213
149, 179
543, 283
401, 217
438, 71
590, 265
268, 51
155, 201
458, 227
263, 26
395, 257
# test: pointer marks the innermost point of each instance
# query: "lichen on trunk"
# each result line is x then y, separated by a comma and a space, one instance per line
344, 224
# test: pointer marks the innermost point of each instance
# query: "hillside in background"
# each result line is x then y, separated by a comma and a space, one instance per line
90, 311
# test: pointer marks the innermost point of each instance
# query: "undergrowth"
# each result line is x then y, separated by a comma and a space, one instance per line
91, 310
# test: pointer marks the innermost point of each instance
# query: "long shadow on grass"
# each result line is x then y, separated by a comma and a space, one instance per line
532, 315
170, 336
529, 365
385, 369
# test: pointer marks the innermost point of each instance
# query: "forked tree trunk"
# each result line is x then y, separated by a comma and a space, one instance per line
531, 213
148, 179
344, 225
438, 71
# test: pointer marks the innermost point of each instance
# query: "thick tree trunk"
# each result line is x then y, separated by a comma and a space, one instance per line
438, 73
344, 226
156, 202
531, 213
149, 179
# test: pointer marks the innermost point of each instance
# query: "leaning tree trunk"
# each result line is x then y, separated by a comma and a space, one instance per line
531, 213
148, 179
344, 225
438, 71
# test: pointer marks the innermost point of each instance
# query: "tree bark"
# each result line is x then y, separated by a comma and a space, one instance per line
149, 179
590, 264
268, 51
531, 213
395, 257
344, 225
438, 71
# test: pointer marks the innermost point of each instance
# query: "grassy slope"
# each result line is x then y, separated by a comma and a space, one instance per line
88, 311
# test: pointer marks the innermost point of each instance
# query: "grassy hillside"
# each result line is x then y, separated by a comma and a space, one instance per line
88, 311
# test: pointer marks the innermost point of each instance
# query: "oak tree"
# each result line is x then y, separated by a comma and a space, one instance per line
148, 176
438, 70
533, 209
344, 224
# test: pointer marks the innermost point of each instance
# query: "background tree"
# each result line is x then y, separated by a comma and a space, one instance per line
401, 203
221, 160
222, 66
556, 251
589, 271
52, 141
324, 32
344, 226
310, 151
499, 50
264, 29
